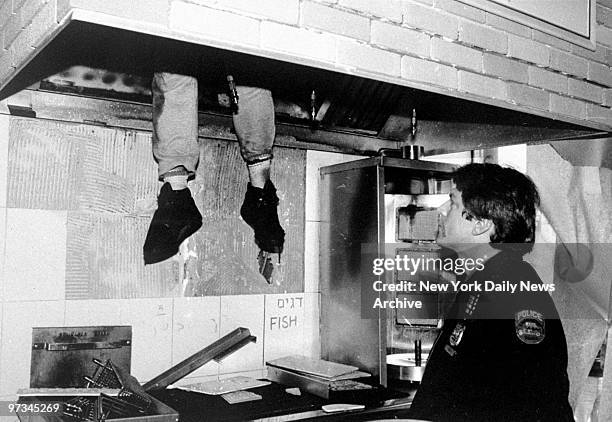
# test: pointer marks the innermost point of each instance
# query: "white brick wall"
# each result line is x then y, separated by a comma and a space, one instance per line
402, 39
482, 85
387, 9
297, 41
429, 72
598, 55
597, 113
567, 106
585, 90
367, 58
604, 35
5, 13
36, 30
17, 4
410, 42
6, 64
483, 37
604, 15
565, 62
11, 29
505, 68
525, 95
431, 20
528, 50
457, 54
285, 11
460, 9
318, 16
549, 40
608, 97
214, 24
508, 26
23, 31
153, 11
600, 73
21, 48
29, 10
546, 79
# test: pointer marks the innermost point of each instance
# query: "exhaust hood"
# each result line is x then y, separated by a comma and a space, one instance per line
314, 106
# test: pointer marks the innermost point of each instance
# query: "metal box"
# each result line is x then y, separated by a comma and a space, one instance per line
62, 356
52, 344
363, 206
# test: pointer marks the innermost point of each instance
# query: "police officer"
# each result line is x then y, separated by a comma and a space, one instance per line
501, 354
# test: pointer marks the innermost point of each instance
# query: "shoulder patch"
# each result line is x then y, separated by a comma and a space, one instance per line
529, 326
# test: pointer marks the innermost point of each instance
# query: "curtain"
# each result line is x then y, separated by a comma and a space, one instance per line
574, 179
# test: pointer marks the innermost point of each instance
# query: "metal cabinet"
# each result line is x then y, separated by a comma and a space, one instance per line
364, 207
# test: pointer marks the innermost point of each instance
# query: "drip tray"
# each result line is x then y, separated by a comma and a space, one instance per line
402, 366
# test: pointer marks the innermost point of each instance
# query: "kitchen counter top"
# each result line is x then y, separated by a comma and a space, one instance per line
277, 405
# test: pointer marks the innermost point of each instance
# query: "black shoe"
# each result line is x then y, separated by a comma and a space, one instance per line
175, 219
259, 211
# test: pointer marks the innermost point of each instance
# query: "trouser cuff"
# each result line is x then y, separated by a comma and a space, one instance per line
255, 161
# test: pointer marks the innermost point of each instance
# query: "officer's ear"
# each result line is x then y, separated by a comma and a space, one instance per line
482, 226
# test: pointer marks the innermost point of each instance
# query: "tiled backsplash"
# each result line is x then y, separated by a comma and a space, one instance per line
195, 323
248, 312
166, 331
33, 262
4, 144
18, 318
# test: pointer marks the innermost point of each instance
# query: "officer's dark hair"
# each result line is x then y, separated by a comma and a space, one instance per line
505, 196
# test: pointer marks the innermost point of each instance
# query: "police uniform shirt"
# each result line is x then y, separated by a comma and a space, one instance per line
492, 369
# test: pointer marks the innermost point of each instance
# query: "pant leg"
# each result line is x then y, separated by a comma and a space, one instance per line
254, 123
175, 121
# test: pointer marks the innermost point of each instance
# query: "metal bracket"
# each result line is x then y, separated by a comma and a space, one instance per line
62, 347
20, 104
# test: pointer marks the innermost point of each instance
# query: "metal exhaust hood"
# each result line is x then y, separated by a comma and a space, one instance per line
318, 108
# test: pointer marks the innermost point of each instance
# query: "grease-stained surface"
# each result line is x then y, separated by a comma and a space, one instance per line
222, 256
106, 180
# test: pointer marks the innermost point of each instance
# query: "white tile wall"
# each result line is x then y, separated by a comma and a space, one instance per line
186, 17
1, 339
93, 312
166, 330
4, 142
36, 256
2, 249
283, 325
195, 325
18, 318
151, 321
243, 311
311, 256
312, 338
